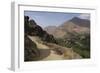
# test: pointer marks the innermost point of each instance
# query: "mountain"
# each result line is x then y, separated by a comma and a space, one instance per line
55, 31
50, 29
81, 22
31, 28
75, 25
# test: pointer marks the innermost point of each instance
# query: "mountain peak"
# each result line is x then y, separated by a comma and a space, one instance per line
81, 22
78, 19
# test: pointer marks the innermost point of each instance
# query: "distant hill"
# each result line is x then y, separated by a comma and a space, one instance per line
55, 31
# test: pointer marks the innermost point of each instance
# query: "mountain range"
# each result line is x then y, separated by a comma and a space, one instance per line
74, 25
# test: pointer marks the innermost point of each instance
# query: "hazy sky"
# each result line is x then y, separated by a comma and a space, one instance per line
45, 19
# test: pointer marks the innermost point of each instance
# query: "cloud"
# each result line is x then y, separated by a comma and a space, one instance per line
84, 16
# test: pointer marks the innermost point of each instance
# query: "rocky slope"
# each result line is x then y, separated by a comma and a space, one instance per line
31, 28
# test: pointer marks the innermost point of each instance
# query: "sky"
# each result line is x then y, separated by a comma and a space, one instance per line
45, 19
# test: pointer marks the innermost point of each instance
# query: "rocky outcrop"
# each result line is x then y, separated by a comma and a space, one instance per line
31, 28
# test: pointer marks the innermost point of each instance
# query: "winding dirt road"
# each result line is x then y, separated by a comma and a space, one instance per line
48, 51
